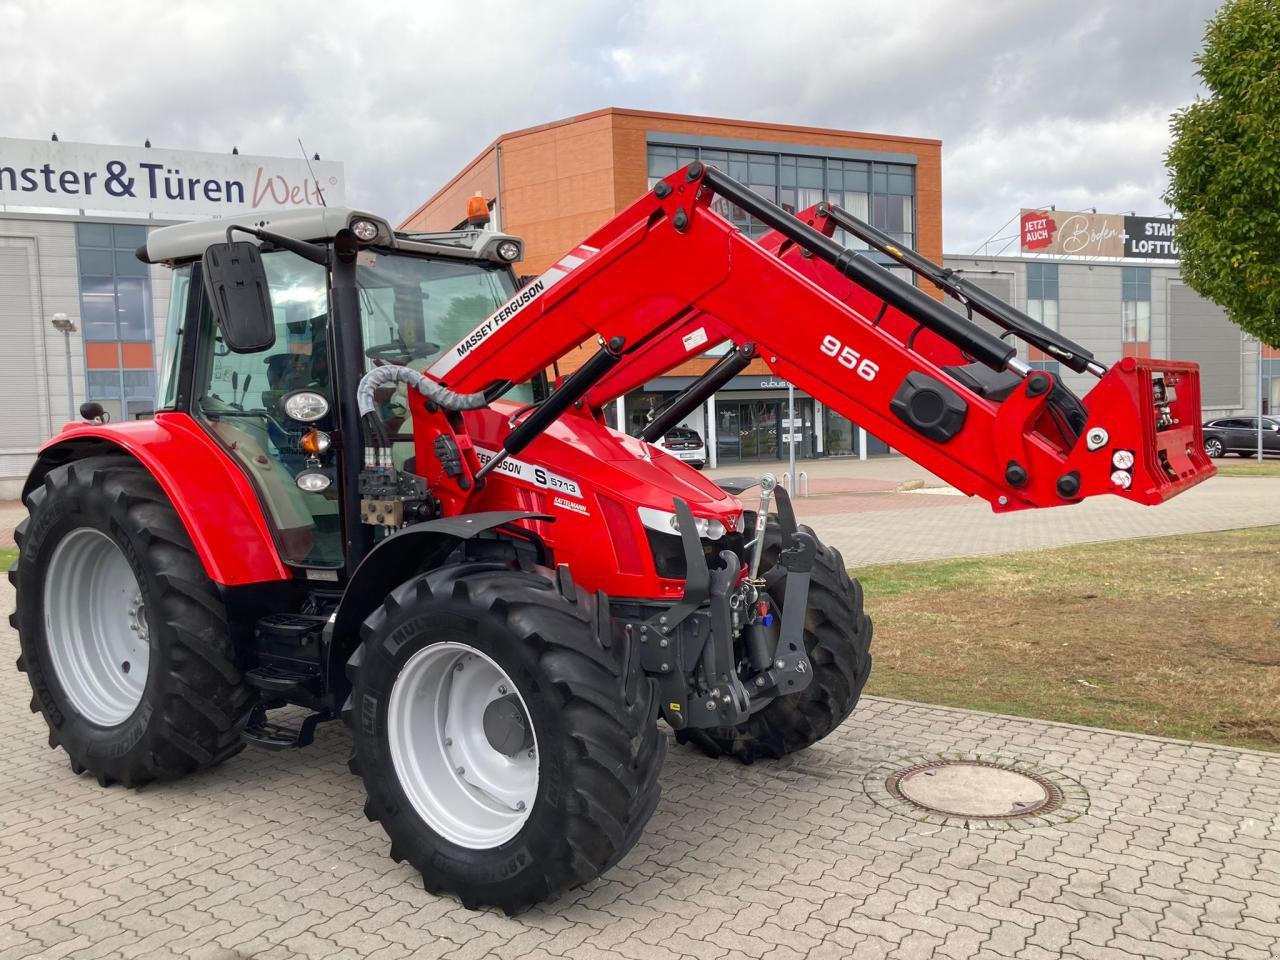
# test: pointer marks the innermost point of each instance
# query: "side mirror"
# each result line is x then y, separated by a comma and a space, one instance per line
236, 284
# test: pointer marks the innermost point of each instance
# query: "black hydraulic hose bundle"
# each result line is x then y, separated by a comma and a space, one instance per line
972, 339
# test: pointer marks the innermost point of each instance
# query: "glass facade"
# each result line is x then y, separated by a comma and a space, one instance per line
883, 193
115, 317
1042, 293
1042, 305
1135, 306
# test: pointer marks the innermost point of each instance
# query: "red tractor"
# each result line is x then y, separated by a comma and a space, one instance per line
361, 496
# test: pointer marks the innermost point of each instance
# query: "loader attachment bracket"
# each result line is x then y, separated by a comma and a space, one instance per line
791, 671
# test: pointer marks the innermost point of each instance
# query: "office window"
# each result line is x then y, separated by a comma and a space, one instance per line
115, 317
1042, 293
1135, 305
115, 286
882, 193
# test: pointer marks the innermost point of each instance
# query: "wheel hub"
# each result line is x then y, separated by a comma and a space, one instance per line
462, 745
96, 626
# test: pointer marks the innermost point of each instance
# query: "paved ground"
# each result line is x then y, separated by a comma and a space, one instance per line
1168, 850
1174, 853
858, 508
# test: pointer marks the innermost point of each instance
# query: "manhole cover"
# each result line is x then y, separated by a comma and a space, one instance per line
974, 788
976, 792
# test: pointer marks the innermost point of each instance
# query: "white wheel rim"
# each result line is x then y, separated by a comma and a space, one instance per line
95, 623
467, 791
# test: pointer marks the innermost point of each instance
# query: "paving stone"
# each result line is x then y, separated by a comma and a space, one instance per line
1176, 856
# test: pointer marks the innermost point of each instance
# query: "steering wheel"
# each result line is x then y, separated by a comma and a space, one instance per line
400, 353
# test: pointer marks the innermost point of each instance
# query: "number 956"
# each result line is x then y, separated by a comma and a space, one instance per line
849, 358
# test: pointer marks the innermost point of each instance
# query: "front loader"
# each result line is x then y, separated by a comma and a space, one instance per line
361, 498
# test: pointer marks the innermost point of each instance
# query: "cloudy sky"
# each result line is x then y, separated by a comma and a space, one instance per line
1036, 102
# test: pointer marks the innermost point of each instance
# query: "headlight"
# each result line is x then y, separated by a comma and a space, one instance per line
664, 522
305, 406
366, 231
509, 250
312, 481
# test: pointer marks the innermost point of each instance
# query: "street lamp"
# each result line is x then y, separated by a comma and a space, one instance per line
67, 326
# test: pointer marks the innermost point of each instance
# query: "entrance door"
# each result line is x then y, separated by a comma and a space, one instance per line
728, 442
759, 421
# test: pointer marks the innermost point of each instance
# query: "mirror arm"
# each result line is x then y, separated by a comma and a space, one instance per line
308, 251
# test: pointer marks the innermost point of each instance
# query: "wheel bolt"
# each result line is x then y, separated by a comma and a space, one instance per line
448, 741
461, 771
530, 754
520, 805
502, 690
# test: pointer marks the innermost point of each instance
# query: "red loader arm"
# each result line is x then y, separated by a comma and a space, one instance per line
669, 277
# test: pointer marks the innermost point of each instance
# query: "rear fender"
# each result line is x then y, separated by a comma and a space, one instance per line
212, 496
399, 557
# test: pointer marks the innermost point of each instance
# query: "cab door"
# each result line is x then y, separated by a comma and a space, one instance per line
238, 398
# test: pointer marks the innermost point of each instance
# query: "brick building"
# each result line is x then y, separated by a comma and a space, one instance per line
555, 183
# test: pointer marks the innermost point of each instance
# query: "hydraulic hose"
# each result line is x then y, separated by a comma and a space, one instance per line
381, 376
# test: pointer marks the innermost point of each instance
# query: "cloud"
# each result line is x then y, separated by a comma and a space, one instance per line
1035, 103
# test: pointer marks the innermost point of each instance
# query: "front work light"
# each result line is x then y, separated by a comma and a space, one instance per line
305, 406
509, 250
366, 231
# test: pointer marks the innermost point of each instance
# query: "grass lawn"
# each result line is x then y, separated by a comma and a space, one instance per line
1174, 636
7, 557
1248, 468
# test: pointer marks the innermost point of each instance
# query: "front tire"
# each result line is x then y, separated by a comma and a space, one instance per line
837, 637
507, 823
1213, 448
124, 638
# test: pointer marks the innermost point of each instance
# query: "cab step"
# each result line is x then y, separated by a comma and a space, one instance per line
268, 735
280, 681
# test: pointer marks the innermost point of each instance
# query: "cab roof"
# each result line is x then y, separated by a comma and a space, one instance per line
187, 241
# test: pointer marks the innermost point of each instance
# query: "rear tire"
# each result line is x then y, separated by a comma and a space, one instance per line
837, 636
188, 712
1213, 448
594, 732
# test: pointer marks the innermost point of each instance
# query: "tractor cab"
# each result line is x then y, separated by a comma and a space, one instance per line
269, 384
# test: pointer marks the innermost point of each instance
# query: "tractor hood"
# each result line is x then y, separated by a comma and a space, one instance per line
604, 461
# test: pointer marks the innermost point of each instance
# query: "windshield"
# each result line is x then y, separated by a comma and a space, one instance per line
413, 309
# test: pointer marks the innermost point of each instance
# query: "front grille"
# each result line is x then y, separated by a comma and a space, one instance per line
668, 552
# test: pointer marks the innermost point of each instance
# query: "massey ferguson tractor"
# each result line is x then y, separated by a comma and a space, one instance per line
363, 497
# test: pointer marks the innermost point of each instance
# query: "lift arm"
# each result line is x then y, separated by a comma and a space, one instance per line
669, 274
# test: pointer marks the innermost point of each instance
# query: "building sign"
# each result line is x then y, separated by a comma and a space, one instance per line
1150, 238
86, 176
1070, 233
1038, 228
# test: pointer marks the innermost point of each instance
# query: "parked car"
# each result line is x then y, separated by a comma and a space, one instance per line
686, 444
1239, 435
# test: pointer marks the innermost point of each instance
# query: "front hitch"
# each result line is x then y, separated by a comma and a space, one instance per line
723, 651
790, 670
